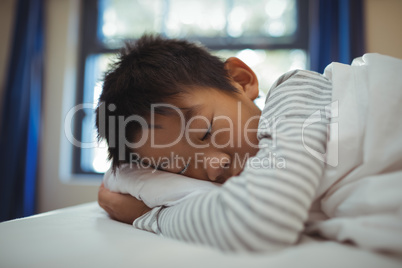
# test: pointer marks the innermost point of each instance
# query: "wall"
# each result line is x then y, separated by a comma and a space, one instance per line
55, 190
383, 27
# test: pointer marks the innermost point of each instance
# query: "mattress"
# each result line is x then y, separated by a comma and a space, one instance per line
84, 236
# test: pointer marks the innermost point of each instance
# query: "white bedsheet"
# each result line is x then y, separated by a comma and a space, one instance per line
84, 236
362, 195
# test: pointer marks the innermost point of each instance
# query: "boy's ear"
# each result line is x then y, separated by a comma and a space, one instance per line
243, 75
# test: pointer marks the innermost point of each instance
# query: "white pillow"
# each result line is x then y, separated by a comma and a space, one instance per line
155, 187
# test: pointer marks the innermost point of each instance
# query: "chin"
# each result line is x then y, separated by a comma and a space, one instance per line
237, 173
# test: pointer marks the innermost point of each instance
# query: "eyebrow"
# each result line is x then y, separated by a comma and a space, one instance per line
154, 126
189, 112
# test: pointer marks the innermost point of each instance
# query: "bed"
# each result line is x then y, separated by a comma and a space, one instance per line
85, 236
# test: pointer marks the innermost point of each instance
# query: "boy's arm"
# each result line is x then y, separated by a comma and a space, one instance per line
121, 207
266, 206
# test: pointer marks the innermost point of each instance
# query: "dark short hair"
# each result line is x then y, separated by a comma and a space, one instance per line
148, 71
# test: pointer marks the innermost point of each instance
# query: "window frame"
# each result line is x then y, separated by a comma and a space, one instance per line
90, 45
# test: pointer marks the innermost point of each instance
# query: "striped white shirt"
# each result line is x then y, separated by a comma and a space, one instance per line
266, 206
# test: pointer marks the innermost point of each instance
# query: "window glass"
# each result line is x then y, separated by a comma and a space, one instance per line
196, 18
94, 159
129, 19
275, 18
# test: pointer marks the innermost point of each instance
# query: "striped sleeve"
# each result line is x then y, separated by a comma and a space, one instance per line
265, 207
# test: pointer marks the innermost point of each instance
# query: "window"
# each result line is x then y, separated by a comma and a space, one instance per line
269, 35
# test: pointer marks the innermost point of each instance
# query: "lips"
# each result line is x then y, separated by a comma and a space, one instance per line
237, 173
221, 179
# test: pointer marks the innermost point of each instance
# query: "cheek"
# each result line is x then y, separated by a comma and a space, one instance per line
197, 173
249, 135
234, 135
224, 137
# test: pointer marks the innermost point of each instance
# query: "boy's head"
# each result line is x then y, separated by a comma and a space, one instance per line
151, 95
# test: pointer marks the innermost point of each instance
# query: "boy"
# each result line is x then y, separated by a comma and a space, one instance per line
176, 101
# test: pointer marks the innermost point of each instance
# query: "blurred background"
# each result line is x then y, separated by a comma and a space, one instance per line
53, 54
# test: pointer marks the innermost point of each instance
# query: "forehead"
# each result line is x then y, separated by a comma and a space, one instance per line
187, 105
179, 110
161, 113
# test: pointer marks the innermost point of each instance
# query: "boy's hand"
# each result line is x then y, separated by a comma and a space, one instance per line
121, 207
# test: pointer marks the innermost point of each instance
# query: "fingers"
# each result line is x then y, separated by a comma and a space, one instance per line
121, 207
105, 200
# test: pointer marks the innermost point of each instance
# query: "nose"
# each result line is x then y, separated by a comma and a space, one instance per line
217, 167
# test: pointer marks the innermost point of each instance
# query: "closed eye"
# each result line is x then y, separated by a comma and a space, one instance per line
184, 169
180, 172
208, 133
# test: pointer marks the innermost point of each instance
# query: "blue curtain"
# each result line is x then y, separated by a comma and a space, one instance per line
21, 113
336, 33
